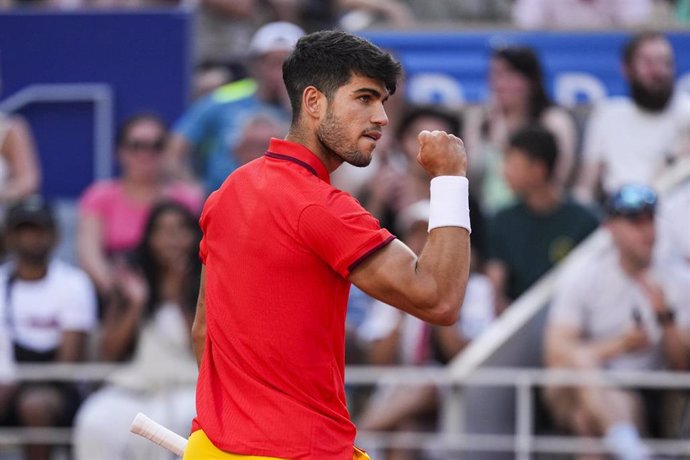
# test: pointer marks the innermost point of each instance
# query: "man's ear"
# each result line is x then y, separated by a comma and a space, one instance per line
313, 102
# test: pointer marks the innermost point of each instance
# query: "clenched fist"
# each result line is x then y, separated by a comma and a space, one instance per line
442, 154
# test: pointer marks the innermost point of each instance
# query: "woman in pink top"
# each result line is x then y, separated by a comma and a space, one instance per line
112, 212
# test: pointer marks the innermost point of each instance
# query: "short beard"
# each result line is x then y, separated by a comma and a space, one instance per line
331, 134
651, 100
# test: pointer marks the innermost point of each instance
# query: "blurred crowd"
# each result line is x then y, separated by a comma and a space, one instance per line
541, 183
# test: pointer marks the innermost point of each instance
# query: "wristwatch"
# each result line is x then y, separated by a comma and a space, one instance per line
666, 317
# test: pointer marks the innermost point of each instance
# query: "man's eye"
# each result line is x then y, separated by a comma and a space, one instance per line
365, 98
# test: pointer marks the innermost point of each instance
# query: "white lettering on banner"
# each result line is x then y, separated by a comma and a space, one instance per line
435, 88
573, 88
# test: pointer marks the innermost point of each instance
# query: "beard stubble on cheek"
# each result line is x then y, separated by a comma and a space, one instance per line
332, 134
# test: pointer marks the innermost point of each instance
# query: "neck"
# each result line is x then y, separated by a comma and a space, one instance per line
140, 187
630, 266
299, 135
515, 112
30, 271
542, 199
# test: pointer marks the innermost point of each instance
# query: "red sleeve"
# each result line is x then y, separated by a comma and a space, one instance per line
342, 234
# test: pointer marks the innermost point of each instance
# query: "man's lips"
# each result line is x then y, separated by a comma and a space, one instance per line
375, 135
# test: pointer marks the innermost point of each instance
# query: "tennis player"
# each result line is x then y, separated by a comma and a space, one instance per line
281, 247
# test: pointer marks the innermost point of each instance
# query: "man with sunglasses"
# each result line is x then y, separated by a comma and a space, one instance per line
623, 311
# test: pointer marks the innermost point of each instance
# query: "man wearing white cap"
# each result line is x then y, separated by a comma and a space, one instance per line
210, 127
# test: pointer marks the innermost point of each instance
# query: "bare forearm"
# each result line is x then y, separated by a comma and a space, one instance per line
443, 268
72, 346
603, 350
119, 334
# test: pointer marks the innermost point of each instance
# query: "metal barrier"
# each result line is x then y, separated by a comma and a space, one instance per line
523, 443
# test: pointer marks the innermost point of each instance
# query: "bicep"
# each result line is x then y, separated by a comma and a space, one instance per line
389, 275
20, 152
559, 340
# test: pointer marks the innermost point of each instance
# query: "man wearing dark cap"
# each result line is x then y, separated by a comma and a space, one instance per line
48, 308
623, 311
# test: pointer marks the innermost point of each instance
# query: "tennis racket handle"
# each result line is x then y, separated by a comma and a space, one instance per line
158, 434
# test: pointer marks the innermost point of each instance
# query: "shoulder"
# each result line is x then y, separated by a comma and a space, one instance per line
508, 214
100, 192
68, 274
236, 91
574, 208
614, 105
585, 274
681, 103
555, 114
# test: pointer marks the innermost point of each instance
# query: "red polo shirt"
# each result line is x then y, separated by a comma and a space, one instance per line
279, 242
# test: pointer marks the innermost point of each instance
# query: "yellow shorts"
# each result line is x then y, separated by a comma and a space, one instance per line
200, 447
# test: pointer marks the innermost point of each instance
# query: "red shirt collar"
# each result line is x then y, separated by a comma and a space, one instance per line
280, 149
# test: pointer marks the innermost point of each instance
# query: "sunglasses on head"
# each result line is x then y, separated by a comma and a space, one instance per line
143, 146
632, 201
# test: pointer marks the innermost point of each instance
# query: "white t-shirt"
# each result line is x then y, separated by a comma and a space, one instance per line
38, 312
634, 145
600, 300
674, 224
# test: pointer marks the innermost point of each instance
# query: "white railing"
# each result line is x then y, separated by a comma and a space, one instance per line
524, 442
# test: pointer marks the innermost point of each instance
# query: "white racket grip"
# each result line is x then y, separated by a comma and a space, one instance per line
158, 434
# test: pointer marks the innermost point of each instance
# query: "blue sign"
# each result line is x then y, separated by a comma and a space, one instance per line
76, 75
452, 66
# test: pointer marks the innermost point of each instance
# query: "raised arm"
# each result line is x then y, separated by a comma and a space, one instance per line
432, 286
19, 152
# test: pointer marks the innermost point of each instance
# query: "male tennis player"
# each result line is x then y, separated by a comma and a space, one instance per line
281, 247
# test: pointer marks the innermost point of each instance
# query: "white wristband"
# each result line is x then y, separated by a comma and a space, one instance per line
449, 203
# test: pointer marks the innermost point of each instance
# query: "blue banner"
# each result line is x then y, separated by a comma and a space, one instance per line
76, 75
451, 66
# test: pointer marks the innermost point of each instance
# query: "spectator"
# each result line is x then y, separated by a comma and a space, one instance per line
223, 29
113, 212
255, 133
19, 170
467, 11
633, 139
518, 98
361, 14
149, 326
210, 125
622, 312
531, 236
396, 338
50, 307
582, 14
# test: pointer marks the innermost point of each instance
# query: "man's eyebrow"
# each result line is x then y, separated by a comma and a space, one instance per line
373, 92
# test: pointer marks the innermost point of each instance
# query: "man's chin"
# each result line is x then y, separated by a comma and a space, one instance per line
360, 162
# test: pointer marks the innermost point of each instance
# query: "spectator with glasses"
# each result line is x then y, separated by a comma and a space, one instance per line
112, 212
626, 311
